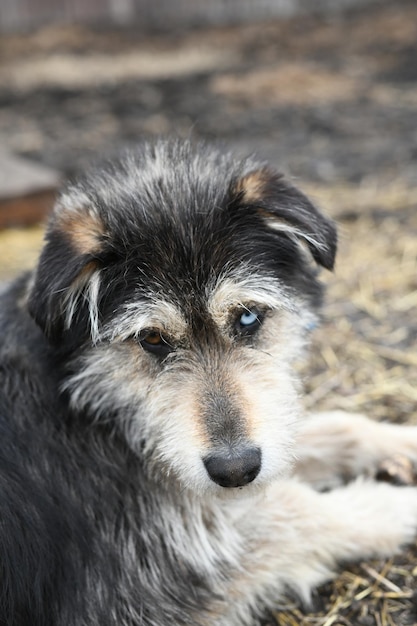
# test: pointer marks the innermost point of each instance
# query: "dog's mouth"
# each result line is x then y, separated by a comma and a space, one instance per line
234, 467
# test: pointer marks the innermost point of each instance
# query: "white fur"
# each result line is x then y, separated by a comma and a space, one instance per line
139, 315
86, 287
296, 234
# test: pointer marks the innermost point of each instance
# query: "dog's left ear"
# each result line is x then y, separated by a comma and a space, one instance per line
67, 280
287, 210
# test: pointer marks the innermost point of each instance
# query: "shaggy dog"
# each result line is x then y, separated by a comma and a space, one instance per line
156, 467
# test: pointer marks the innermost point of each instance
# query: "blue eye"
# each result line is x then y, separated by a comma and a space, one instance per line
248, 322
248, 318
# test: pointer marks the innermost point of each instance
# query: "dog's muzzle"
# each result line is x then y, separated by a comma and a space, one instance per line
234, 467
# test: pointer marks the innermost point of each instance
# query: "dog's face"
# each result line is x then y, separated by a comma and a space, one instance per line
180, 283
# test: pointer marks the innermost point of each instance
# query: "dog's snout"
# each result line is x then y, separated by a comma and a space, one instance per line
234, 468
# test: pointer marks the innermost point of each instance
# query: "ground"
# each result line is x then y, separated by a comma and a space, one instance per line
332, 102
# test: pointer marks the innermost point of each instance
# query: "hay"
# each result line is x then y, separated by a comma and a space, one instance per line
364, 355
377, 594
19, 249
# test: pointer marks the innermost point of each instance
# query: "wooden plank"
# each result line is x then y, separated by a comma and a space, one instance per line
26, 210
27, 190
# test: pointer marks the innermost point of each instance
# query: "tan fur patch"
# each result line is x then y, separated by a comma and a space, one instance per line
190, 416
265, 214
252, 186
220, 380
180, 413
84, 229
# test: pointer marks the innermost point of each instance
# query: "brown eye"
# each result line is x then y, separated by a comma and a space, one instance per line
152, 341
153, 338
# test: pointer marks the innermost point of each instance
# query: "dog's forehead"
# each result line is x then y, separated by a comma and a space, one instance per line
166, 179
171, 223
169, 208
213, 306
170, 212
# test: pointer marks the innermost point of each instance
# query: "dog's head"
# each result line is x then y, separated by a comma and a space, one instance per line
180, 283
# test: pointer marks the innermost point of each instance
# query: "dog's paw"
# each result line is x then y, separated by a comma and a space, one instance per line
336, 447
398, 470
373, 519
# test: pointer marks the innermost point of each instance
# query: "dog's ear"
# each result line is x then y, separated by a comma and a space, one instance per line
288, 211
67, 279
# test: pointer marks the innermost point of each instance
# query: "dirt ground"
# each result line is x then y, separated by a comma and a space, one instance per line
332, 102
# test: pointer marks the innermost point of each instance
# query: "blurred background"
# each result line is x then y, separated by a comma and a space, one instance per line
326, 91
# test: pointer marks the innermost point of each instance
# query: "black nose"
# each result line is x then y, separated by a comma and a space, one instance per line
234, 468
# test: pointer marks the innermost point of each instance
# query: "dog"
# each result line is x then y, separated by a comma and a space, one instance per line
156, 465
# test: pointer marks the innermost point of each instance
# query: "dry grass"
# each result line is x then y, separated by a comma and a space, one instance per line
364, 595
364, 356
19, 249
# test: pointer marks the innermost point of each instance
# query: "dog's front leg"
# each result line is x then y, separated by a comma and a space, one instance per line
334, 447
362, 520
297, 538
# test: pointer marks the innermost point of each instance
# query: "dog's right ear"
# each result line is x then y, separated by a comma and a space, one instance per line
288, 212
66, 284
